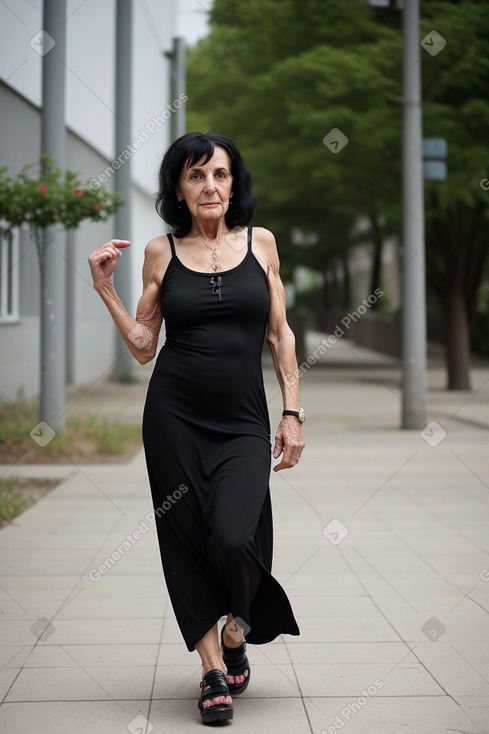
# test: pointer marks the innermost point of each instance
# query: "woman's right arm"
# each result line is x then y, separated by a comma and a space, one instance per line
140, 334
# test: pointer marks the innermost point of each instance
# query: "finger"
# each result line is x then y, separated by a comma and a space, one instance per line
287, 454
107, 252
121, 243
286, 464
283, 465
278, 447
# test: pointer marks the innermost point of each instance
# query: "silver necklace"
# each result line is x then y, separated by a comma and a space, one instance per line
214, 255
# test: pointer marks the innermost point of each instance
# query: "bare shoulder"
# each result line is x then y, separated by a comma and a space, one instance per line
157, 255
158, 247
265, 249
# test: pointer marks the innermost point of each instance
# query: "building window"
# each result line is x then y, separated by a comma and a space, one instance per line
9, 275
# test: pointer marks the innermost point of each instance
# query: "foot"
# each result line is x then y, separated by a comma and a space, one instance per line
231, 643
218, 700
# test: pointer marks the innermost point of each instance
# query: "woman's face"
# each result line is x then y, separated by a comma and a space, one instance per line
207, 187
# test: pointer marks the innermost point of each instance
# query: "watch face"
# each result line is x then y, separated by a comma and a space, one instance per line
302, 415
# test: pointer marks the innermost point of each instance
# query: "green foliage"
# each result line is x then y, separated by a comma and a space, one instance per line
82, 436
12, 503
278, 76
41, 197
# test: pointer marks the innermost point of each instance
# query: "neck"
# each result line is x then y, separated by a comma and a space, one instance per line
209, 231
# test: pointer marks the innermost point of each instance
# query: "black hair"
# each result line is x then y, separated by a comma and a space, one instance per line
192, 148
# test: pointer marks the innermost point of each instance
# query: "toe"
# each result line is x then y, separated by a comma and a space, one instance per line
218, 701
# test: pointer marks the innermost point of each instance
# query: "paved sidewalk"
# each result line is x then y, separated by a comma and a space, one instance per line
381, 541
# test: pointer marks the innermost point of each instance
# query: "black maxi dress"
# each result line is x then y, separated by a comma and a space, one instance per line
206, 434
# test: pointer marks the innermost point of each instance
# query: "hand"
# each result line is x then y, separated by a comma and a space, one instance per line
103, 261
289, 441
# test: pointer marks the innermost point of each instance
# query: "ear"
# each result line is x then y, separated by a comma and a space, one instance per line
178, 193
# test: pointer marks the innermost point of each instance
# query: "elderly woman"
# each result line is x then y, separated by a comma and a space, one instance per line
215, 281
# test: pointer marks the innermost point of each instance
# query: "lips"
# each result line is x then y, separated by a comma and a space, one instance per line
210, 204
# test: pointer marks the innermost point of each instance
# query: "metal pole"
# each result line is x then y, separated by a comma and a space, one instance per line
180, 85
122, 176
177, 57
413, 273
53, 288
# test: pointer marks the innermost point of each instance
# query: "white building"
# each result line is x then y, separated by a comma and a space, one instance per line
90, 123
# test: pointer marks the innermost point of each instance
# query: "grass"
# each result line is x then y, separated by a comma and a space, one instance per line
12, 502
82, 439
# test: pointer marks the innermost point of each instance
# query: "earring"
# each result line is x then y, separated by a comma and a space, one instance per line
230, 202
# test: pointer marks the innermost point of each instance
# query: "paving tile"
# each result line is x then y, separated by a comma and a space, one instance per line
414, 551
340, 679
62, 656
60, 717
82, 683
320, 629
349, 652
104, 631
257, 715
462, 679
7, 679
389, 715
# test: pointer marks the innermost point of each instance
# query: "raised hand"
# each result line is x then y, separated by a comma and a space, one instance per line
104, 260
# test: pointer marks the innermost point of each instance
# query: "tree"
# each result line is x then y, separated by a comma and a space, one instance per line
277, 77
39, 197
456, 108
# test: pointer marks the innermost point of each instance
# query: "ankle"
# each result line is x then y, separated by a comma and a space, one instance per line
216, 663
230, 641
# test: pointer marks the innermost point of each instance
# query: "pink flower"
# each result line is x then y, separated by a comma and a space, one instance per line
78, 192
97, 207
43, 188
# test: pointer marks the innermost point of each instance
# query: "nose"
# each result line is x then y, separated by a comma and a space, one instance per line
209, 184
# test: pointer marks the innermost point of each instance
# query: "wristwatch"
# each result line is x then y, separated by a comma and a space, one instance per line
299, 414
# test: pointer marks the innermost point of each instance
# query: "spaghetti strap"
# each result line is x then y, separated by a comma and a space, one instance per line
250, 230
172, 244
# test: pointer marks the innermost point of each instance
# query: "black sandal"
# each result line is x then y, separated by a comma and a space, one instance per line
236, 661
217, 682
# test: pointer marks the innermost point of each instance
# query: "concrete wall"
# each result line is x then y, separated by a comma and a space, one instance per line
90, 330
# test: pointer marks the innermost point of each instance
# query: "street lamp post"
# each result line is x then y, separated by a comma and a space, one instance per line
413, 414
122, 177
53, 297
177, 58
413, 272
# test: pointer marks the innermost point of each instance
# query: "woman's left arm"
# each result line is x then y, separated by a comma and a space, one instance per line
289, 438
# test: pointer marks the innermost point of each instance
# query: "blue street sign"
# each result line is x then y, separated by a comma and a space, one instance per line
434, 159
